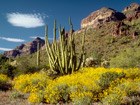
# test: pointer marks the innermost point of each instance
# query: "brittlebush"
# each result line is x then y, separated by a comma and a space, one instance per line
3, 80
84, 87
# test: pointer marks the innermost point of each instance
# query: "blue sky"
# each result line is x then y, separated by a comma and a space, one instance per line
22, 20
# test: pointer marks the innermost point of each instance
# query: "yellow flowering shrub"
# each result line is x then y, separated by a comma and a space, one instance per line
64, 87
31, 82
36, 97
3, 81
81, 98
87, 80
132, 73
84, 87
3, 78
119, 89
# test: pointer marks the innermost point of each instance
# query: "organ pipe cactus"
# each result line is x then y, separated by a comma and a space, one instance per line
62, 53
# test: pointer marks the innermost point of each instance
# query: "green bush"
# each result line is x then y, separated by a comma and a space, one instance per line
4, 85
108, 77
3, 59
25, 67
15, 95
112, 99
8, 70
127, 59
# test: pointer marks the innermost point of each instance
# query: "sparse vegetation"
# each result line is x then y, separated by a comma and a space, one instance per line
127, 59
33, 77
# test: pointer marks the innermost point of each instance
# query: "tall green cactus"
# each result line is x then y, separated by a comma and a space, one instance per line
38, 54
62, 53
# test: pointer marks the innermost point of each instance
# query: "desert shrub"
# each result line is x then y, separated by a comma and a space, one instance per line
132, 73
31, 82
8, 70
3, 78
112, 99
119, 89
80, 87
26, 70
82, 98
127, 59
15, 95
107, 77
3, 82
36, 97
88, 85
2, 59
124, 40
12, 71
73, 87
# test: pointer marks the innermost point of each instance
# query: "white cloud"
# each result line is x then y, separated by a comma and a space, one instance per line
12, 39
4, 49
26, 20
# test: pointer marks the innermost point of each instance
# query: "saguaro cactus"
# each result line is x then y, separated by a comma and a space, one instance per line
62, 54
38, 54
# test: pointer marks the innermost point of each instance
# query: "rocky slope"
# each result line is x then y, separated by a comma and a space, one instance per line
25, 49
107, 32
101, 16
132, 11
105, 15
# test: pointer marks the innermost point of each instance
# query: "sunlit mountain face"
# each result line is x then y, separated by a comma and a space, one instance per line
22, 21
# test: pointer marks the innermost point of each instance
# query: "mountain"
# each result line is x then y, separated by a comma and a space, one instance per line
101, 16
105, 15
108, 33
25, 49
132, 11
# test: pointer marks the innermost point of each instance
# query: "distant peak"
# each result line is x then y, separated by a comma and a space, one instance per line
37, 39
132, 7
106, 9
101, 16
25, 49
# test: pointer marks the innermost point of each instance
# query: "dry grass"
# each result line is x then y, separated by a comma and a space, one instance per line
6, 100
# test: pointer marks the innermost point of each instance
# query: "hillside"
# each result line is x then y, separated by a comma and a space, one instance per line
108, 33
25, 49
103, 69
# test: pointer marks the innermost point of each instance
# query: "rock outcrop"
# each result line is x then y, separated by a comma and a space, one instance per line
132, 11
101, 16
25, 49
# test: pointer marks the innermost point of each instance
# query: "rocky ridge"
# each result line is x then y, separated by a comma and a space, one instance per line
105, 14
95, 20
25, 49
132, 11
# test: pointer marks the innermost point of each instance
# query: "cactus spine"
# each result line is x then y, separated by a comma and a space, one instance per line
38, 54
62, 55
